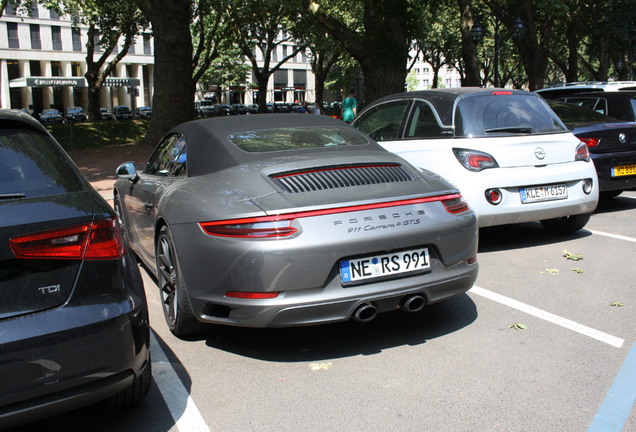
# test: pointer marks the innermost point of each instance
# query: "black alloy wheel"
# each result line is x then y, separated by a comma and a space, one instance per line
174, 297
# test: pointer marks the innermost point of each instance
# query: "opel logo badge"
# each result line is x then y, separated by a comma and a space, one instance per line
539, 153
622, 138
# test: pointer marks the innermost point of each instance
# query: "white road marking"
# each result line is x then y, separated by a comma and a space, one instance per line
182, 408
616, 236
547, 316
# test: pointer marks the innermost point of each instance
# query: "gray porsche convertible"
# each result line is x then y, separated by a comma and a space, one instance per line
287, 220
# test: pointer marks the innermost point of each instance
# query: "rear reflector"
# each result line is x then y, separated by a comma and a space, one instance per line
252, 295
280, 225
96, 240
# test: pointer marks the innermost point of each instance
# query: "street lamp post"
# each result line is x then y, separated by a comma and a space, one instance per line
516, 32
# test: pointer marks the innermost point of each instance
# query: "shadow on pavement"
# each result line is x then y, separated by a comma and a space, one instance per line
388, 330
520, 236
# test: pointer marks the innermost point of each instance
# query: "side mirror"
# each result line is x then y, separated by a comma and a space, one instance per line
128, 171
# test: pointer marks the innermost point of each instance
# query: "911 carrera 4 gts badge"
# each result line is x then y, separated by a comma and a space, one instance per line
51, 289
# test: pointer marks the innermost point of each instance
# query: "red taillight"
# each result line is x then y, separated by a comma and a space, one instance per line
252, 295
591, 142
280, 225
502, 93
251, 228
474, 160
97, 240
455, 205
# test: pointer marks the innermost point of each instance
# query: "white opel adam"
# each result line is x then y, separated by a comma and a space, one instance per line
511, 157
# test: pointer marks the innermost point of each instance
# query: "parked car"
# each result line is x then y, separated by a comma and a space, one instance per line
224, 110
612, 144
105, 114
620, 105
253, 108
240, 109
51, 116
75, 115
73, 317
143, 113
282, 108
559, 90
205, 108
122, 112
508, 153
283, 220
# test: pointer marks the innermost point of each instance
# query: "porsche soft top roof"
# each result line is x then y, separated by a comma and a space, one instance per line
210, 150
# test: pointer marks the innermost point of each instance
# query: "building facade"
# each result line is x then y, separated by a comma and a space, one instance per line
43, 62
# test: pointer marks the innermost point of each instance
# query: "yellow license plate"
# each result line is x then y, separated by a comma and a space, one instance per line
624, 170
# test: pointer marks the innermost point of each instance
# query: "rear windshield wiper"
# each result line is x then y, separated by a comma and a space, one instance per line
514, 129
10, 196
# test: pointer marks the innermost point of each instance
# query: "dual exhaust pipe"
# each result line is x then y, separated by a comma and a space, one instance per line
367, 312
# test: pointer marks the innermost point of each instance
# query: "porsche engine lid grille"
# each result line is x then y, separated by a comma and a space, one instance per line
340, 176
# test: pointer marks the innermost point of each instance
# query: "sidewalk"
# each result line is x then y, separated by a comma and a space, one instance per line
98, 165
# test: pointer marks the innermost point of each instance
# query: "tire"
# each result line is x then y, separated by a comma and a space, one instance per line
120, 216
567, 224
133, 394
174, 296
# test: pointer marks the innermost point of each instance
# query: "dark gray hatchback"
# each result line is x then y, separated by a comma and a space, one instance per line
73, 316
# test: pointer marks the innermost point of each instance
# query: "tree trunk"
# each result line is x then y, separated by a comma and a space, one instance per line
472, 75
174, 87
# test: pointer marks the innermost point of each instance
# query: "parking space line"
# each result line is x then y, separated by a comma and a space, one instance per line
616, 236
547, 316
182, 408
619, 401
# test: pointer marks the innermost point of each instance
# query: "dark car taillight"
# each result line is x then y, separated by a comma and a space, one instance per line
97, 240
591, 142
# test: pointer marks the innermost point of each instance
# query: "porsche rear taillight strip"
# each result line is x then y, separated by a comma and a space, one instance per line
280, 225
97, 240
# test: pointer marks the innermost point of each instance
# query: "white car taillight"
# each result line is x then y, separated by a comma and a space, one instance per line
474, 160
582, 153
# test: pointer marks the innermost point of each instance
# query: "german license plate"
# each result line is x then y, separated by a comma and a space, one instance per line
543, 193
384, 266
624, 170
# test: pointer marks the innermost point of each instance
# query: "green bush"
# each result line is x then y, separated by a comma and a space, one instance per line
77, 136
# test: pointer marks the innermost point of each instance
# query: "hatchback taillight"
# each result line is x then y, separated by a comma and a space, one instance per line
474, 160
97, 240
582, 153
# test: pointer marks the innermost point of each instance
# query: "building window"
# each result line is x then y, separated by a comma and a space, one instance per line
35, 68
12, 30
56, 68
280, 78
300, 78
13, 69
77, 39
76, 69
34, 12
96, 38
10, 10
53, 14
131, 48
36, 42
56, 37
147, 46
